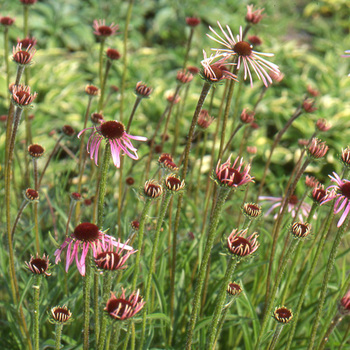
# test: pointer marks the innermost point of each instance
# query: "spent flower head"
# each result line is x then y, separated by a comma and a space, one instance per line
282, 314
114, 133
246, 56
27, 42
300, 229
247, 117
255, 40
204, 119
35, 150
113, 54
240, 244
92, 90
60, 315
68, 130
38, 265
23, 57
251, 210
152, 189
234, 289
21, 96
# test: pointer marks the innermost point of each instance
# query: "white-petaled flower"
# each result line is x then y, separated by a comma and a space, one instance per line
246, 56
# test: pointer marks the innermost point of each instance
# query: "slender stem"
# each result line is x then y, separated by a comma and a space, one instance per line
86, 293
219, 303
278, 137
276, 336
222, 195
71, 208
107, 282
228, 144
204, 147
103, 182
100, 68
36, 287
125, 60
6, 57
49, 159
140, 242
152, 264
96, 304
133, 336
19, 214
136, 104
103, 85
345, 337
309, 277
188, 46
271, 300
115, 336
58, 332
25, 20
336, 320
327, 275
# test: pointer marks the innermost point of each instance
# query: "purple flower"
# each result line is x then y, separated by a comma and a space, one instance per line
342, 193
247, 57
113, 132
85, 236
292, 206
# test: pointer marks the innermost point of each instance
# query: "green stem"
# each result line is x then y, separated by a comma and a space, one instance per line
107, 282
25, 20
222, 195
71, 208
86, 292
204, 147
100, 68
125, 60
36, 287
140, 242
103, 182
6, 57
19, 214
103, 85
152, 264
276, 336
219, 303
336, 320
136, 104
58, 332
228, 144
326, 278
271, 300
188, 46
309, 277
115, 336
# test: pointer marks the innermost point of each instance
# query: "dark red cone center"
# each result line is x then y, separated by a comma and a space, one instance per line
293, 199
107, 260
112, 129
40, 264
217, 72
237, 178
86, 232
243, 245
345, 189
242, 48
22, 94
283, 313
105, 30
116, 307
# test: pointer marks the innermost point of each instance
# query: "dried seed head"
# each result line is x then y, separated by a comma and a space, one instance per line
300, 230
193, 70
135, 225
27, 42
252, 149
173, 183
21, 96
39, 266
23, 57
86, 232
142, 90
31, 195
75, 196
7, 21
130, 181
317, 149
92, 90
152, 189
60, 314
97, 118
308, 106
319, 194
247, 117
184, 77
234, 289
193, 21
68, 130
282, 314
113, 54
345, 156
35, 150
251, 210
240, 245
254, 17
254, 40
311, 181
322, 125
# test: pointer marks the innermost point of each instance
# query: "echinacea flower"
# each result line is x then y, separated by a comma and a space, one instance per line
6, 21
282, 314
204, 119
60, 314
102, 30
38, 265
342, 194
27, 42
240, 245
113, 132
233, 176
123, 308
234, 289
113, 258
246, 56
215, 70
292, 205
85, 236
23, 56
21, 96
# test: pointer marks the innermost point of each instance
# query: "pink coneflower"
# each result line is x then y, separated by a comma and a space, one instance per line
123, 308
26, 42
254, 17
113, 132
216, 71
102, 30
85, 236
342, 193
246, 55
6, 21
292, 206
233, 176
240, 245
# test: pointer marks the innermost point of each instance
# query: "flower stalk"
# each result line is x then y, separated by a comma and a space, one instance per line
86, 293
58, 334
276, 336
36, 287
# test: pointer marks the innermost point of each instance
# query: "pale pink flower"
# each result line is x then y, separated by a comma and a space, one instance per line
342, 194
247, 57
85, 236
113, 132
